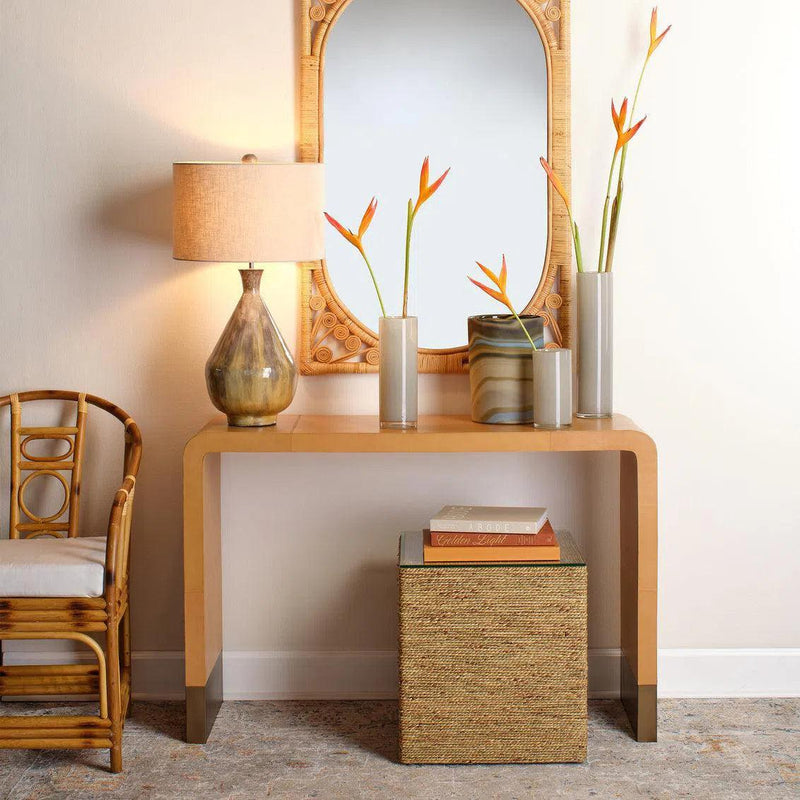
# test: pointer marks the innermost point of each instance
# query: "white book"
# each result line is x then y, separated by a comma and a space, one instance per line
489, 519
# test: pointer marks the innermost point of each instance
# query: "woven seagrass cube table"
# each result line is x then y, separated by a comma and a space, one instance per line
493, 659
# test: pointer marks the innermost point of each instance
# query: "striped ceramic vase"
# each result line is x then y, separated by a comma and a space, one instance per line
500, 370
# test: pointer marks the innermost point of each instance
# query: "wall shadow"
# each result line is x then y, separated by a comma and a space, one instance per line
144, 212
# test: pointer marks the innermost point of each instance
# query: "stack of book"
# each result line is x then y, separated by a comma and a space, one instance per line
490, 533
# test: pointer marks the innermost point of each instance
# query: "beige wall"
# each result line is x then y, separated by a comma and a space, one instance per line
98, 98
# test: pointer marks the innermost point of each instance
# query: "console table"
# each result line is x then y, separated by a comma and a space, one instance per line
436, 434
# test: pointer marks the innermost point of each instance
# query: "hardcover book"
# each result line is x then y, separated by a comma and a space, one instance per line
489, 519
545, 538
445, 555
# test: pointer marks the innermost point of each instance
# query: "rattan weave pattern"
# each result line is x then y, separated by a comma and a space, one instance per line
493, 664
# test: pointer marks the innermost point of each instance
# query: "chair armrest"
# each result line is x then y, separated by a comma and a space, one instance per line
118, 539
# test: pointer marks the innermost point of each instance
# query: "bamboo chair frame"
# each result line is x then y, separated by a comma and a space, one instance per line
72, 618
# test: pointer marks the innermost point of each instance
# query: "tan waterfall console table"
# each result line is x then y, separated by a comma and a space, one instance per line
436, 434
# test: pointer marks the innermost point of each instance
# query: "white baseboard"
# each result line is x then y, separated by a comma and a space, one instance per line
604, 672
323, 675
158, 675
740, 672
310, 675
354, 675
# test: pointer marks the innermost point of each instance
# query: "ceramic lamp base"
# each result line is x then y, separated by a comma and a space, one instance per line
251, 376
249, 421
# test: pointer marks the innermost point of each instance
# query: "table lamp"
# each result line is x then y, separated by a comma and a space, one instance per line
249, 212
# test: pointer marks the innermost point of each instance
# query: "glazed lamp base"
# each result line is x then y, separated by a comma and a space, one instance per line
251, 376
249, 421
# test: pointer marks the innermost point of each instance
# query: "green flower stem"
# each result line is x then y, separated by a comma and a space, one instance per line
605, 212
614, 227
633, 115
612, 242
576, 238
524, 329
374, 281
409, 225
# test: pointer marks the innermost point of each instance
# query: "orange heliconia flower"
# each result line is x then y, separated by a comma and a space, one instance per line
351, 237
556, 181
501, 295
427, 191
624, 136
367, 218
500, 281
655, 40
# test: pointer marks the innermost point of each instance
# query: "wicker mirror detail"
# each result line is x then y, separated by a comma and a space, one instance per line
334, 338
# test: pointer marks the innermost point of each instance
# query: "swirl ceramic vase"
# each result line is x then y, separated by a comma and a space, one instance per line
250, 375
398, 372
595, 344
500, 368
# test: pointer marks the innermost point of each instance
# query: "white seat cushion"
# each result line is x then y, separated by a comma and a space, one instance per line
48, 567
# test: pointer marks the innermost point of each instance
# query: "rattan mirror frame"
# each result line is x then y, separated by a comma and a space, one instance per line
332, 340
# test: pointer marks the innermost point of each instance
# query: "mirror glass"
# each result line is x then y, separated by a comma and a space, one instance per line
464, 82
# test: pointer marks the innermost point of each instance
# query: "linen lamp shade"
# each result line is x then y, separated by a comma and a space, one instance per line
247, 212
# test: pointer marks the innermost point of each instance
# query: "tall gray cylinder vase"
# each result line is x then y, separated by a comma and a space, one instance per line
250, 375
500, 368
398, 372
552, 388
595, 344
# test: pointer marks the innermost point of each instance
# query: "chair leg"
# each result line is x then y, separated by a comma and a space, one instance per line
126, 659
116, 756
114, 693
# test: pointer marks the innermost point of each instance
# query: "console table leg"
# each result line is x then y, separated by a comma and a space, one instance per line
202, 591
638, 589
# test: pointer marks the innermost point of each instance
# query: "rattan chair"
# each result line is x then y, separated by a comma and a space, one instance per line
56, 585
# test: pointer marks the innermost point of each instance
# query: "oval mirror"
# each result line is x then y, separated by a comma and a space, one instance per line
465, 82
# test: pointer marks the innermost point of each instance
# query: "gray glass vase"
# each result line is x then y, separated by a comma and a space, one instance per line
552, 388
251, 375
398, 372
595, 344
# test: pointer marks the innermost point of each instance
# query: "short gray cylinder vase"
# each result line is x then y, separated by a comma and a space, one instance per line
251, 375
398, 372
500, 368
552, 388
595, 344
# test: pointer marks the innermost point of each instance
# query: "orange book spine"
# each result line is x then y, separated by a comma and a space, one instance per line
444, 555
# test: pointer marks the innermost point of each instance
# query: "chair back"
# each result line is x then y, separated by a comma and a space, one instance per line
66, 468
